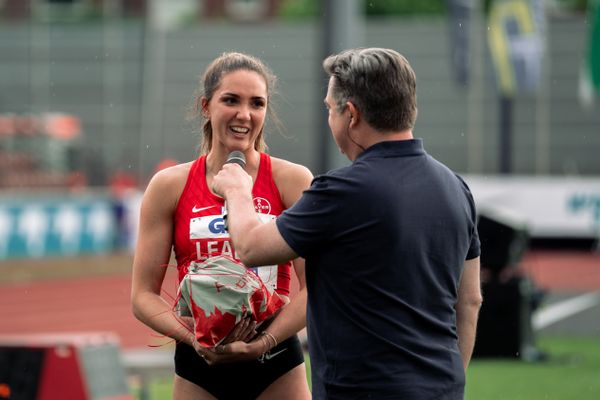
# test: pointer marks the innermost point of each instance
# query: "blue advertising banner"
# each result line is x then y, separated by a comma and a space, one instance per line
56, 227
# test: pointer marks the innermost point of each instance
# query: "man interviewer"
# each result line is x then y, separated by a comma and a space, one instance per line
390, 242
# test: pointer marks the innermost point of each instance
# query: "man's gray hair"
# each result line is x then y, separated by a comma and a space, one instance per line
379, 82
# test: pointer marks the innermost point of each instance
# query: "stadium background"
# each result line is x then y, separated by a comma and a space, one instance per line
94, 97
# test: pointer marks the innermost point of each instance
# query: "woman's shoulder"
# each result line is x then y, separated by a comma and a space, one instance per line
284, 169
172, 175
169, 181
290, 178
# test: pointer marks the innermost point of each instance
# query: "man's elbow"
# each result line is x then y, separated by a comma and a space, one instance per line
474, 301
471, 302
477, 298
247, 255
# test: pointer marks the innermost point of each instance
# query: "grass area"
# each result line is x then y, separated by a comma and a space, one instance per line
571, 371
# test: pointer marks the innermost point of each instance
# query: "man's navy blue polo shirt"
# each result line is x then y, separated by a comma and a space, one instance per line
385, 240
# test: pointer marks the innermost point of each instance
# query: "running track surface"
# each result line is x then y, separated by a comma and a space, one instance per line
101, 303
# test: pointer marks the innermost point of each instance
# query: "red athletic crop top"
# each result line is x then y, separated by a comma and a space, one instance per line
199, 226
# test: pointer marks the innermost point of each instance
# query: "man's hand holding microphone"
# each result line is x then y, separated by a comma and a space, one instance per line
232, 179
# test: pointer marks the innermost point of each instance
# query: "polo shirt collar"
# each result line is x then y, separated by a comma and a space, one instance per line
394, 148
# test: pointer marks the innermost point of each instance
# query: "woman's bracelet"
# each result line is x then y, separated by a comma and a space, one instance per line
270, 339
265, 342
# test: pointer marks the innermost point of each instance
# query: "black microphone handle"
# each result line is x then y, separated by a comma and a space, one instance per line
236, 157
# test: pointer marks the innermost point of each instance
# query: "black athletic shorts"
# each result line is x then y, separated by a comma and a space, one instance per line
239, 381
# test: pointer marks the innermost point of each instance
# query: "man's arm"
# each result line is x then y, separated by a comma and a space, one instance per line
467, 309
255, 243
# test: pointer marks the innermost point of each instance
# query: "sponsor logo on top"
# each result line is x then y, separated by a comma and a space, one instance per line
212, 226
200, 209
262, 205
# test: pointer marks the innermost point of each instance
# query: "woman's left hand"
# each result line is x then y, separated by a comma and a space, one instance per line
244, 331
231, 352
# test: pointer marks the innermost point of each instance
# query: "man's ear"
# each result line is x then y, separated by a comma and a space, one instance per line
354, 114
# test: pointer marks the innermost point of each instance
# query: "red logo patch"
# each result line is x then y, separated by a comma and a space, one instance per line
262, 205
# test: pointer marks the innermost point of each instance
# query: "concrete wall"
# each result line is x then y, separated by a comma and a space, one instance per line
132, 86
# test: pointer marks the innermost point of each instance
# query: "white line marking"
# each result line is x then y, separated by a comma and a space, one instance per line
564, 309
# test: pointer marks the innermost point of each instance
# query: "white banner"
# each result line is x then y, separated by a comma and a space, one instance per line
549, 206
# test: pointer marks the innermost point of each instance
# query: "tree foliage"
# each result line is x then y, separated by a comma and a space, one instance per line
404, 7
311, 8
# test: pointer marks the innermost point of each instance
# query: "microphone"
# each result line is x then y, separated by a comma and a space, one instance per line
235, 157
